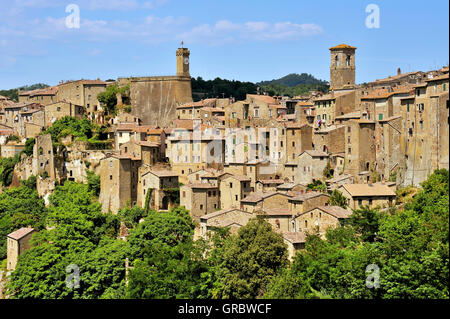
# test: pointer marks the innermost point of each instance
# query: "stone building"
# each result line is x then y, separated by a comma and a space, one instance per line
425, 138
360, 148
329, 106
118, 182
330, 139
232, 190
305, 201
192, 151
58, 110
155, 99
371, 195
317, 220
342, 67
83, 93
43, 159
42, 96
233, 218
200, 199
254, 111
160, 184
148, 152
311, 165
17, 243
11, 149
259, 202
295, 241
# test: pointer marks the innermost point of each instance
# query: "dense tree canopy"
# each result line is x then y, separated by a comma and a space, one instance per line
19, 207
408, 248
411, 253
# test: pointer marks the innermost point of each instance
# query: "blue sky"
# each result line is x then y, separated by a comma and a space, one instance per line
245, 40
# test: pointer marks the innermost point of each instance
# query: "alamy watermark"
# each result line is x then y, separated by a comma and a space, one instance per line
373, 19
73, 279
73, 19
373, 278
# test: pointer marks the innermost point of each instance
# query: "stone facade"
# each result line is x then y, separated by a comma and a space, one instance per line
118, 182
17, 243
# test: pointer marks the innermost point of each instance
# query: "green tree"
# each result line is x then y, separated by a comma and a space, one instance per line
79, 234
93, 181
19, 207
250, 260
366, 221
337, 199
317, 185
29, 145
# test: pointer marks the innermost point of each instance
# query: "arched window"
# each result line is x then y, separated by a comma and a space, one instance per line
336, 59
348, 60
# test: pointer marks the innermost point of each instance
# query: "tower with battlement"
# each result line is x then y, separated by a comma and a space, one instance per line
154, 99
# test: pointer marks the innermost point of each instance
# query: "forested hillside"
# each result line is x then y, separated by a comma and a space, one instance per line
409, 247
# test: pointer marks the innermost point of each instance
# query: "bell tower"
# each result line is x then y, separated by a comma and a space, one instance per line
342, 67
183, 61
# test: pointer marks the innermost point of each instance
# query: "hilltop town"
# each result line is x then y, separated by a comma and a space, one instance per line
226, 160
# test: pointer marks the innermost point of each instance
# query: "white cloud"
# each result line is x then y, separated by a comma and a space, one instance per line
23, 33
116, 5
226, 31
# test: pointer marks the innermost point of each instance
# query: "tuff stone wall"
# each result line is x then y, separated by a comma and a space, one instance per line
154, 99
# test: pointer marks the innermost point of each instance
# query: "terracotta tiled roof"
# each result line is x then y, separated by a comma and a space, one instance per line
221, 212
304, 103
277, 212
438, 78
339, 178
47, 91
294, 237
125, 156
287, 186
149, 144
263, 98
351, 115
315, 153
255, 197
126, 127
271, 181
342, 46
20, 233
306, 196
6, 131
162, 173
240, 178
357, 190
201, 185
335, 211
394, 77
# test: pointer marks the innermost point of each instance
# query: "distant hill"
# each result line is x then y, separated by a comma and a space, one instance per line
294, 79
13, 94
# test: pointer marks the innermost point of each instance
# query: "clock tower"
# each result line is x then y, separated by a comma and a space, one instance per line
183, 61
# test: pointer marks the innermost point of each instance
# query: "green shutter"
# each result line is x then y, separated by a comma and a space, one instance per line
380, 117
